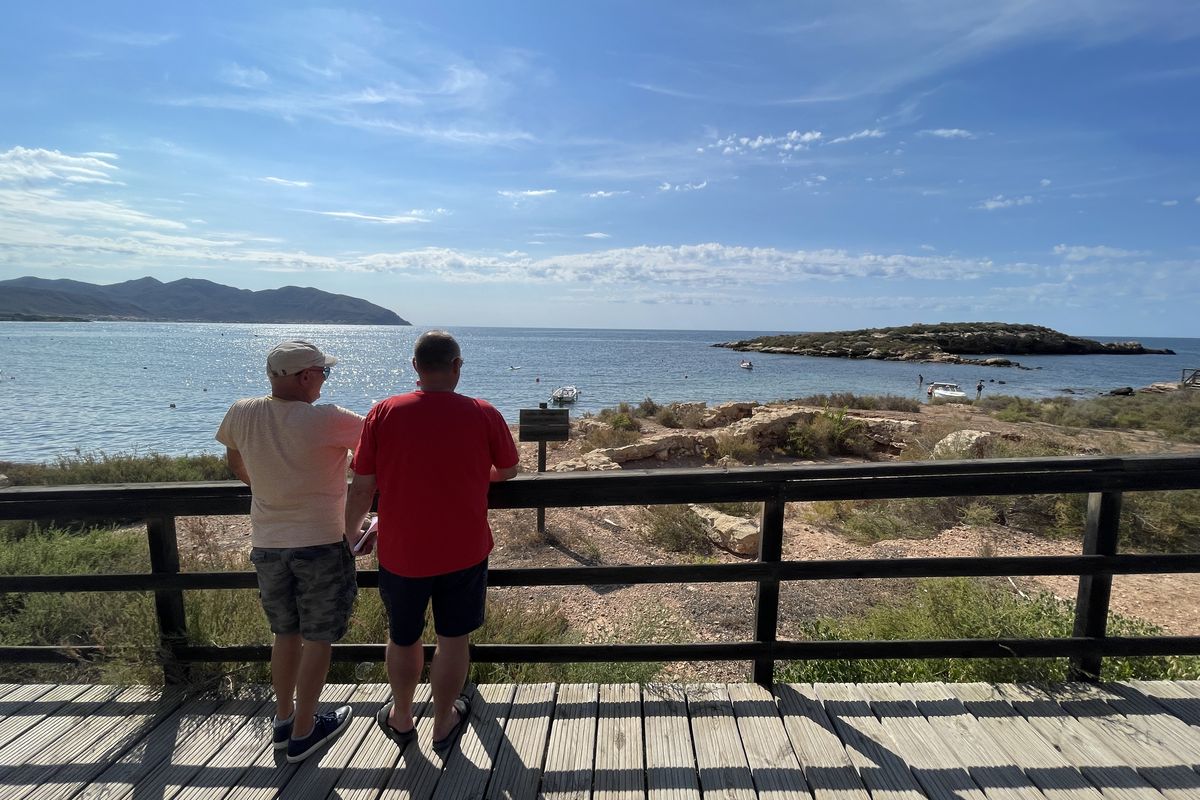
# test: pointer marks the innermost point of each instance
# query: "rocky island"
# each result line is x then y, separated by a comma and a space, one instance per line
944, 343
148, 299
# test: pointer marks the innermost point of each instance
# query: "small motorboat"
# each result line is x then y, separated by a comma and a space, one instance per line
746, 364
946, 391
565, 394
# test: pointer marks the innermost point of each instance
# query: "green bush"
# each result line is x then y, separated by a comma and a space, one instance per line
739, 448
85, 468
965, 608
1175, 415
676, 528
647, 408
887, 402
600, 438
832, 432
666, 417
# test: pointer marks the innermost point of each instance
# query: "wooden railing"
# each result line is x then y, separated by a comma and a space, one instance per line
1103, 479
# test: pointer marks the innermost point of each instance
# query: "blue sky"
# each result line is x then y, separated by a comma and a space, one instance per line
776, 166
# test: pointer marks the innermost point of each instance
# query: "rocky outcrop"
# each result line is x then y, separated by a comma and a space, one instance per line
735, 534
942, 343
593, 461
724, 414
5, 481
963, 444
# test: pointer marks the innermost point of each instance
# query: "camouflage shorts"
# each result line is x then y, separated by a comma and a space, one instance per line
307, 590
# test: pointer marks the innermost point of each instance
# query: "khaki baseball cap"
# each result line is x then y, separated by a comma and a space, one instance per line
288, 358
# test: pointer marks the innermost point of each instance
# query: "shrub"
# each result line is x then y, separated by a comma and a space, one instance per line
965, 608
676, 528
647, 408
1175, 415
887, 402
666, 417
831, 432
739, 509
600, 438
83, 468
736, 447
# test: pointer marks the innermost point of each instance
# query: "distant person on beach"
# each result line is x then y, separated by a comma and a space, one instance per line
431, 454
979, 389
920, 380
293, 455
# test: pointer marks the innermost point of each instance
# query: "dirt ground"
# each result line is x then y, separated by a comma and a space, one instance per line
724, 612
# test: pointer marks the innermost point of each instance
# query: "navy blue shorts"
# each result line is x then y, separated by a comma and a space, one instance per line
458, 599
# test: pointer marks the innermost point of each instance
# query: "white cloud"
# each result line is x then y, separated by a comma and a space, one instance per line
34, 165
947, 133
1198, 198
870, 133
49, 205
682, 187
286, 182
134, 38
526, 193
102, 155
1082, 253
1000, 201
244, 77
597, 236
404, 219
783, 145
603, 194
1044, 182
1170, 203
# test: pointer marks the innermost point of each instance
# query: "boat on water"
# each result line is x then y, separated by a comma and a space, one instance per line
565, 394
746, 364
939, 390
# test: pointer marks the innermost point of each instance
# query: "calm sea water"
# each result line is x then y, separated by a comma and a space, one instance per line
110, 387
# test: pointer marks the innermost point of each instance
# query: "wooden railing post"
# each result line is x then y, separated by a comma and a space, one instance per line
168, 603
766, 599
1091, 602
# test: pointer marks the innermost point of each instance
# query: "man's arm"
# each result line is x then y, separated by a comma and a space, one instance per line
503, 474
234, 459
358, 502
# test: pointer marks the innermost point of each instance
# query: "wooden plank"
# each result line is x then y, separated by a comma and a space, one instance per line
1141, 746
1175, 696
720, 757
82, 744
265, 775
773, 765
620, 760
670, 760
1155, 721
125, 737
827, 767
518, 766
571, 752
374, 761
1038, 758
869, 746
1103, 768
152, 755
18, 704
317, 775
419, 769
51, 729
543, 424
470, 765
936, 768
36, 710
958, 732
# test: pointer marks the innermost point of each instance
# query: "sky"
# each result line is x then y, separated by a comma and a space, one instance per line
708, 165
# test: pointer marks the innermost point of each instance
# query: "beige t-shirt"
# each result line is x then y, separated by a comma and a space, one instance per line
296, 454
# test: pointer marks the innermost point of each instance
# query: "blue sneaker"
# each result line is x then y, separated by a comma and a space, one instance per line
281, 731
326, 727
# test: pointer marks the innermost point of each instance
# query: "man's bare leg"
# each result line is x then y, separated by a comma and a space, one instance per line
285, 665
404, 665
447, 676
314, 668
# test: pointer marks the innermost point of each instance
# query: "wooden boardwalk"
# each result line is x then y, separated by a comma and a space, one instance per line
618, 742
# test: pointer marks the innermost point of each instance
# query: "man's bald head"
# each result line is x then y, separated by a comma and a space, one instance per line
435, 351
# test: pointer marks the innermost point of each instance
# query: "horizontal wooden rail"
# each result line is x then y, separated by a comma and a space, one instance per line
1103, 479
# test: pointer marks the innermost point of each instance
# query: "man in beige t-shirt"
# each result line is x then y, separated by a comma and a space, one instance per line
293, 455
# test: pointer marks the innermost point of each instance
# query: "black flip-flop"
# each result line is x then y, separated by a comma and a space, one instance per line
463, 706
401, 738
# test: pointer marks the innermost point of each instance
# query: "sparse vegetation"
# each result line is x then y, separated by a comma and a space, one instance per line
85, 468
739, 448
1175, 415
965, 608
742, 509
885, 402
676, 528
832, 432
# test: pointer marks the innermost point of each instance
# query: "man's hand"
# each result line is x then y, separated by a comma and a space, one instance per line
504, 474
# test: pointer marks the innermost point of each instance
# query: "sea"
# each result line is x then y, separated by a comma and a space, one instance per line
134, 387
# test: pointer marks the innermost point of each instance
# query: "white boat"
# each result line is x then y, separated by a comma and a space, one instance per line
746, 364
565, 394
946, 391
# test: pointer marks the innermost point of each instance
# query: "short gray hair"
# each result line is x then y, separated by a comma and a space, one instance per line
435, 351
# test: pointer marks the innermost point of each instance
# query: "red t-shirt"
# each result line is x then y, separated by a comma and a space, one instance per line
432, 455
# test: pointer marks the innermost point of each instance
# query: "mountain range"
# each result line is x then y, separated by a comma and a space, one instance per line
185, 300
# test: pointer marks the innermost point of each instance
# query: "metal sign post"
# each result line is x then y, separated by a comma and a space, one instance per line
543, 425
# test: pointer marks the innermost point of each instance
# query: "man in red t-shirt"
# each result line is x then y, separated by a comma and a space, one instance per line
431, 454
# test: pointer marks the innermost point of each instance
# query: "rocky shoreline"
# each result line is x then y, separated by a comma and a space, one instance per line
943, 343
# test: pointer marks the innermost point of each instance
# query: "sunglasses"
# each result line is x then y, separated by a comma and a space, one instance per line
323, 370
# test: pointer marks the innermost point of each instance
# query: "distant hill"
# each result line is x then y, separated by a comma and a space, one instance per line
184, 300
945, 342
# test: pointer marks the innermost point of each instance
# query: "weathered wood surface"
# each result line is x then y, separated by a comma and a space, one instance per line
1121, 741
